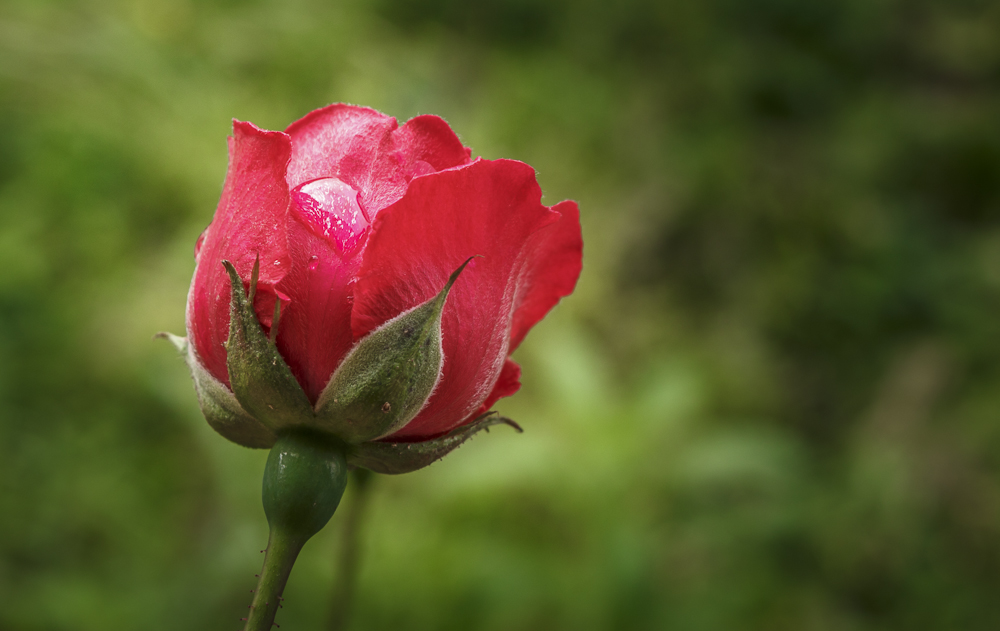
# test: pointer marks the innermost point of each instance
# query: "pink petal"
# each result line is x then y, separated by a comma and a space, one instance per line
557, 262
370, 152
249, 221
314, 333
508, 383
490, 208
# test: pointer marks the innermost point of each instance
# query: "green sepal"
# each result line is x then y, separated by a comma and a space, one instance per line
393, 458
219, 406
388, 375
260, 378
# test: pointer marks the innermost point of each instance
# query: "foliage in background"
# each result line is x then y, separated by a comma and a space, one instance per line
772, 403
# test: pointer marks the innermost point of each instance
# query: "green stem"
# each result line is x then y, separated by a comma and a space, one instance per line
282, 551
304, 479
347, 576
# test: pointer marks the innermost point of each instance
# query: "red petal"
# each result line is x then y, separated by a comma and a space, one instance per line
556, 267
558, 260
488, 208
314, 333
249, 221
508, 383
370, 152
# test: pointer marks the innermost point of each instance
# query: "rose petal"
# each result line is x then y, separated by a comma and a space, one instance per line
314, 333
324, 138
490, 208
558, 260
370, 152
249, 221
508, 383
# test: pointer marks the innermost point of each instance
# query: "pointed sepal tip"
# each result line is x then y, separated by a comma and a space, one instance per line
394, 458
388, 376
261, 380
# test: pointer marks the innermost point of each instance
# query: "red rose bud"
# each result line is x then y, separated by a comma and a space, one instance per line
339, 308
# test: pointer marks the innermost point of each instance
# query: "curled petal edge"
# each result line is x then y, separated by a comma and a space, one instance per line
219, 405
394, 457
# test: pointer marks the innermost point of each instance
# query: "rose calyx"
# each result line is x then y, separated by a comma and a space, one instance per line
381, 385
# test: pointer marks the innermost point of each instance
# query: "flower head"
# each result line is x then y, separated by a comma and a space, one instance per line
353, 220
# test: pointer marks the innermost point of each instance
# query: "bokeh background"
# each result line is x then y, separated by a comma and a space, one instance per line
771, 404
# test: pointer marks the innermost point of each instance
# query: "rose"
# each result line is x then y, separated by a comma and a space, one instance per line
355, 302
355, 220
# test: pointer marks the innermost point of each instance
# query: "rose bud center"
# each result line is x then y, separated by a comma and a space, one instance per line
330, 208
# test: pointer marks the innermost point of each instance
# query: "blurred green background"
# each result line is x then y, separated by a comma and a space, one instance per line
771, 404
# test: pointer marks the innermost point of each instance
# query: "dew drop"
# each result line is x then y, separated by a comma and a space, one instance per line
330, 208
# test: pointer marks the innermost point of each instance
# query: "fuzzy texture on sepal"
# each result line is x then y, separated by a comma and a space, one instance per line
388, 376
218, 404
393, 458
260, 378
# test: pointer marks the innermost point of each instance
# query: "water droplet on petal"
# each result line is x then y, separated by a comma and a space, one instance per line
330, 208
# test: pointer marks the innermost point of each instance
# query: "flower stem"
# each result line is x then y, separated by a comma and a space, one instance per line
304, 479
281, 553
347, 577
